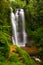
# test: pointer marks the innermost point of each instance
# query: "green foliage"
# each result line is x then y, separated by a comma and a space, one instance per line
41, 53
11, 63
34, 17
4, 47
4, 12
2, 58
6, 31
18, 3
13, 5
5, 22
34, 21
37, 36
13, 58
26, 57
34, 28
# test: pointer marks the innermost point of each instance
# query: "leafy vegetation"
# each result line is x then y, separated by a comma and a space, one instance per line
11, 63
41, 53
34, 27
13, 58
26, 57
5, 22
4, 47
34, 21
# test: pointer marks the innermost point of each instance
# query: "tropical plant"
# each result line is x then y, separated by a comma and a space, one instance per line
4, 47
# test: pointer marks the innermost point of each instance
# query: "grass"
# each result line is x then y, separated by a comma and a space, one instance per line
26, 57
13, 58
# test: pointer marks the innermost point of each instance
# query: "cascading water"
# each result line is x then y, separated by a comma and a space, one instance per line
23, 24
18, 27
14, 29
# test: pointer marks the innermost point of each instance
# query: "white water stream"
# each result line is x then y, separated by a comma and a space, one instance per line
18, 36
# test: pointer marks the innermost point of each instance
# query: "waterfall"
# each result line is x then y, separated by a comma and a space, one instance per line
23, 23
18, 27
14, 28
